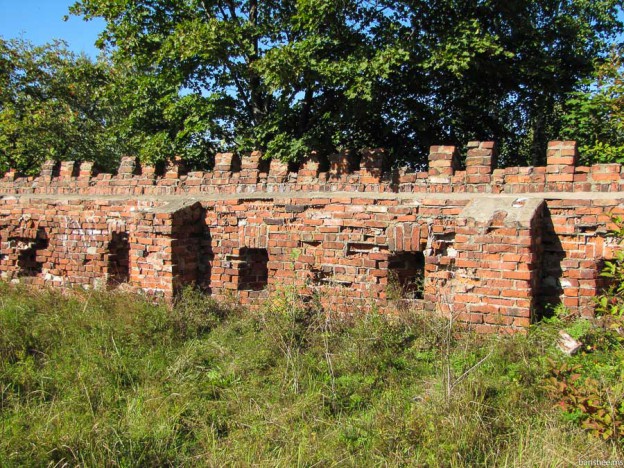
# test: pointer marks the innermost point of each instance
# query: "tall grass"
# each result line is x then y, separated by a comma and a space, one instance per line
98, 378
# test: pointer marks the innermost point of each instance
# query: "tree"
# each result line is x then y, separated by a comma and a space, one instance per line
53, 105
594, 116
291, 76
284, 77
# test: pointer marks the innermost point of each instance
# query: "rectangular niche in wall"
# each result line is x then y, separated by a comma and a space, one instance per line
253, 269
118, 259
29, 257
406, 274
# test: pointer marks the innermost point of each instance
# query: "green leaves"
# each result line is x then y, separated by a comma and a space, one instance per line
595, 115
456, 53
53, 105
191, 77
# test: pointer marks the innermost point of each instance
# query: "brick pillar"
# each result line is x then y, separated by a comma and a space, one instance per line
149, 175
175, 168
68, 170
278, 171
127, 167
11, 174
560, 161
443, 162
339, 163
250, 168
225, 164
480, 161
371, 166
85, 172
48, 169
309, 169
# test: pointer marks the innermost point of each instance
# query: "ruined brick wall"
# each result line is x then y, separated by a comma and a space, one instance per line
493, 246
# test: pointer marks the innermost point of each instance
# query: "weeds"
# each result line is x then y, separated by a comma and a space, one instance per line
106, 379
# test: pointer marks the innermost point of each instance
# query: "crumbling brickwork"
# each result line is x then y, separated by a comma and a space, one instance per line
496, 247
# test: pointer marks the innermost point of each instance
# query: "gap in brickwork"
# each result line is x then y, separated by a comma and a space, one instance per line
206, 260
311, 243
138, 168
56, 169
253, 269
325, 275
294, 166
264, 166
354, 248
406, 275
550, 289
323, 161
160, 168
355, 161
118, 259
29, 261
236, 162
443, 242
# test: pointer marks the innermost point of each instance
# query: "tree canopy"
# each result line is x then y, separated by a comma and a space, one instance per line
53, 105
595, 114
192, 77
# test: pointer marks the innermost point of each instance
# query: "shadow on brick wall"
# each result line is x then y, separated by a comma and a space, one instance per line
552, 254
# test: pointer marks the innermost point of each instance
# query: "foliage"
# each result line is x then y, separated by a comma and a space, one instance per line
290, 77
54, 105
597, 407
594, 116
95, 378
589, 388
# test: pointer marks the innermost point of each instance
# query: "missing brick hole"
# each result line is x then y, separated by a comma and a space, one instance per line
519, 202
588, 229
406, 275
446, 237
358, 248
30, 258
311, 243
443, 243
325, 276
253, 269
118, 259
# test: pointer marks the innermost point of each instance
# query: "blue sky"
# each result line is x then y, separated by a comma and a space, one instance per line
41, 21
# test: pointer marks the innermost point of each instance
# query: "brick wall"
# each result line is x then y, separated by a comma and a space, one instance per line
496, 247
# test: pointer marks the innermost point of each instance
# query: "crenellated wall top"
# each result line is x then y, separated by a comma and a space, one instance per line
365, 171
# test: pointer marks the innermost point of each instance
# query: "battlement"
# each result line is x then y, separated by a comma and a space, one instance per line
495, 247
362, 172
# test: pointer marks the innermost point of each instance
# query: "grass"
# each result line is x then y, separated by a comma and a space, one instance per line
95, 378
